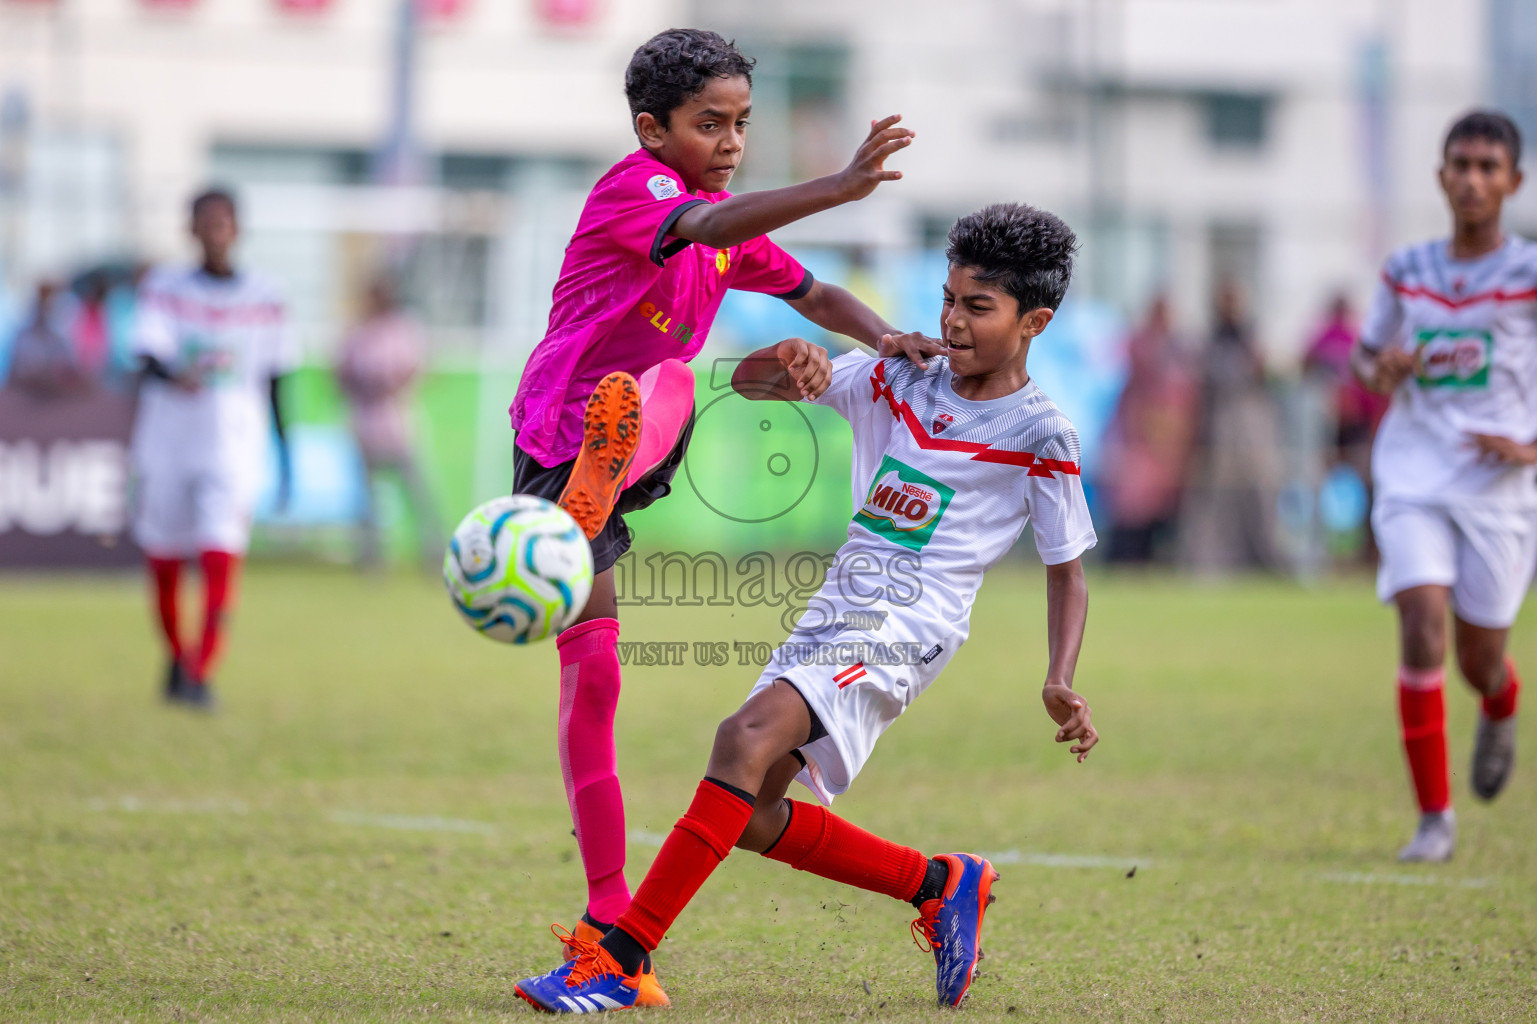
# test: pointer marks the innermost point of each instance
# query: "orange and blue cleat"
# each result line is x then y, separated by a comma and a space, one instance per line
611, 429
590, 980
952, 924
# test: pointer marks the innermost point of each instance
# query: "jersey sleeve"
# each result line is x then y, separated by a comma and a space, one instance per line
1385, 316
765, 267
641, 205
153, 330
850, 394
1059, 512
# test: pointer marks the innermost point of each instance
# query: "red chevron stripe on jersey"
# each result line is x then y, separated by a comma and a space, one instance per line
851, 674
1497, 295
979, 452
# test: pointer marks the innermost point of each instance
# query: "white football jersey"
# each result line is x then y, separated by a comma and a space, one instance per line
943, 486
1473, 327
234, 332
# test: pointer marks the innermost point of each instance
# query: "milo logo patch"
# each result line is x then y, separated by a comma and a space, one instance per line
1453, 359
903, 505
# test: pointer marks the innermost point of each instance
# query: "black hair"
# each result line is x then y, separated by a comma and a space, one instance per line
1486, 124
214, 195
1027, 251
673, 67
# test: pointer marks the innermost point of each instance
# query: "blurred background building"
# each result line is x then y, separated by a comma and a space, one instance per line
1271, 152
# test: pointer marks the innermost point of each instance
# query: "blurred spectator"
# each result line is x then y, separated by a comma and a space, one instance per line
43, 360
1233, 515
1148, 443
1356, 410
379, 363
90, 330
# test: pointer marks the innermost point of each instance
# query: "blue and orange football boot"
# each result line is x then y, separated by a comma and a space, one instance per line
590, 980
952, 924
611, 431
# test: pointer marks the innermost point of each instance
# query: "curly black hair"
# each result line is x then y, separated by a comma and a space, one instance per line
1027, 251
215, 194
1486, 124
673, 67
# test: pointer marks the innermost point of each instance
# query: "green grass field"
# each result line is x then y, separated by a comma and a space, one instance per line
373, 826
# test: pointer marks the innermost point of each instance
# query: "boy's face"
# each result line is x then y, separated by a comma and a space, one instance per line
983, 326
1476, 176
214, 227
704, 137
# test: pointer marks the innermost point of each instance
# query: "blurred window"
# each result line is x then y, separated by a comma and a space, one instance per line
1236, 120
1513, 46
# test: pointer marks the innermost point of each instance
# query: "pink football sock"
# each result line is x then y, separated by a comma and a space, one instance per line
589, 695
666, 402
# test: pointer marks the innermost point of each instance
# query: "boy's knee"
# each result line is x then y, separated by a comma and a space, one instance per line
740, 740
763, 828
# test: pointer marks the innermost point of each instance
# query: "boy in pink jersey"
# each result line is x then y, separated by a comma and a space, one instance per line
658, 243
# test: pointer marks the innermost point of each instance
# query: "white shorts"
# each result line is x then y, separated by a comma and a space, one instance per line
180, 513
1486, 555
858, 668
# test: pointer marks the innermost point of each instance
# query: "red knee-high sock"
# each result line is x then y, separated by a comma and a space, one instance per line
818, 841
219, 570
1503, 704
1422, 710
166, 574
699, 841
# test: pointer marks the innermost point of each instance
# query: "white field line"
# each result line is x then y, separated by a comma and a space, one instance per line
134, 805
1363, 878
412, 823
640, 837
1067, 860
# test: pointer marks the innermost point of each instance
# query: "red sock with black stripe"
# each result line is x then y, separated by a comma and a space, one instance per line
698, 843
1422, 712
1503, 704
818, 841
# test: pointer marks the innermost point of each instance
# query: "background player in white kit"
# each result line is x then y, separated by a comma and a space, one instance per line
1452, 335
951, 460
214, 343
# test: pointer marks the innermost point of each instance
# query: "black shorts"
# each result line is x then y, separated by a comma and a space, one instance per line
529, 477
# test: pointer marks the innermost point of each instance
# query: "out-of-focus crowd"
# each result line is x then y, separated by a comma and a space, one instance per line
1194, 463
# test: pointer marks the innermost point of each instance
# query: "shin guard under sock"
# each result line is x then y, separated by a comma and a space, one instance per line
589, 696
698, 842
219, 570
818, 841
1422, 712
165, 573
1503, 704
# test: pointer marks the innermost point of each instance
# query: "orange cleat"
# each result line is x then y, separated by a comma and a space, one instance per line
610, 438
648, 992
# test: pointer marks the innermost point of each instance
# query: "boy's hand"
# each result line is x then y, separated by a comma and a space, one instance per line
867, 169
1071, 712
915, 346
1391, 367
1494, 450
807, 365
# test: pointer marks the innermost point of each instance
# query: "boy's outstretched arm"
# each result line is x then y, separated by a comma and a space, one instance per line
839, 311
785, 372
740, 218
1067, 609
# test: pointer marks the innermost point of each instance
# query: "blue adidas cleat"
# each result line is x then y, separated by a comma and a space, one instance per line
952, 924
591, 981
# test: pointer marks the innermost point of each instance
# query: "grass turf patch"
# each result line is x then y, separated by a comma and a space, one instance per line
373, 827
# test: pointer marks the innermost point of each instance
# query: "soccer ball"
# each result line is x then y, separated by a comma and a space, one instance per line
518, 569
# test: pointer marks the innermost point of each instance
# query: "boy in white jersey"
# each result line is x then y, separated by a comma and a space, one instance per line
213, 344
1452, 336
950, 461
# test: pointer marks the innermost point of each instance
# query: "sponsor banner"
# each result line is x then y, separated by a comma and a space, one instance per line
64, 481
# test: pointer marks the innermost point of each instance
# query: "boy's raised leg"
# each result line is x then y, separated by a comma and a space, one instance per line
611, 432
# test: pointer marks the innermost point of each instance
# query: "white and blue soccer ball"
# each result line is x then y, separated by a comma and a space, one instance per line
518, 569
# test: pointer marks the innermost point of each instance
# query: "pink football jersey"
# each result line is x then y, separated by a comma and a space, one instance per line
631, 295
